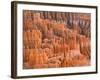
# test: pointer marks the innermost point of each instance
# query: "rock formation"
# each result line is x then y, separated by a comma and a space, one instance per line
56, 39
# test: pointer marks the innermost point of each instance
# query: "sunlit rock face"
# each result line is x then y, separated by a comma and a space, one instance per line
56, 39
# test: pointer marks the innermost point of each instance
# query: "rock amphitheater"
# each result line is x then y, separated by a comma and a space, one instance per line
56, 39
